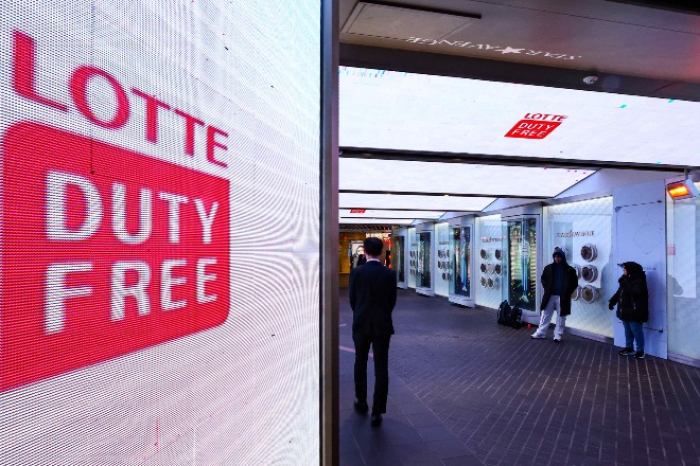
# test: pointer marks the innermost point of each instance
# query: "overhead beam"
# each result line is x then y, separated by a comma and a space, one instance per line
390, 59
484, 159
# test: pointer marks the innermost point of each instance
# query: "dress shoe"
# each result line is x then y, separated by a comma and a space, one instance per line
376, 420
361, 406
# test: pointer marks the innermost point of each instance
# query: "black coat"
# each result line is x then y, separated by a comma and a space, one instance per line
372, 298
632, 297
569, 285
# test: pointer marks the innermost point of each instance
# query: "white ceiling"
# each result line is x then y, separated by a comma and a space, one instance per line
455, 178
370, 221
412, 202
391, 214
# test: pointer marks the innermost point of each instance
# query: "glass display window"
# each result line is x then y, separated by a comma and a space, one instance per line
522, 254
683, 261
583, 229
441, 264
490, 263
460, 261
424, 277
398, 258
412, 258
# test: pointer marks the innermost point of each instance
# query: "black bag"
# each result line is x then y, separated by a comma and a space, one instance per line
510, 317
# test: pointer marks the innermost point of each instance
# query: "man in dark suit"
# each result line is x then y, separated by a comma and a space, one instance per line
372, 298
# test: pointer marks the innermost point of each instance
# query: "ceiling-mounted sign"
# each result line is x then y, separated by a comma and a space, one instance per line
535, 126
464, 44
358, 211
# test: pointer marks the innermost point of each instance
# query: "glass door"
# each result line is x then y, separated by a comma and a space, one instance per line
522, 255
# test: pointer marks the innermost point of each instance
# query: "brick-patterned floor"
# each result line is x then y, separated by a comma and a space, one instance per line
466, 391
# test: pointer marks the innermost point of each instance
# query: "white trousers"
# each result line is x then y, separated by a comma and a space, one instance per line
553, 304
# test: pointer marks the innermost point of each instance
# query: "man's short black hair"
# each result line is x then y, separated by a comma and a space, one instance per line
373, 246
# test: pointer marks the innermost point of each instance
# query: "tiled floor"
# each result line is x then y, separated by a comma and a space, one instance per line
466, 391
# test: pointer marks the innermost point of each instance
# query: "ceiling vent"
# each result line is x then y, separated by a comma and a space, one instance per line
404, 23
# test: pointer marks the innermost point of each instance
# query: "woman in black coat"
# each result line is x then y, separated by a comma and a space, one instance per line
632, 299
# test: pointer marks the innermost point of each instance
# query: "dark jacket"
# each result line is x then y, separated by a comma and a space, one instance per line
569, 284
372, 298
632, 297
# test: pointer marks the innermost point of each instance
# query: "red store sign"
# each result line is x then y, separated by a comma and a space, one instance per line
104, 252
535, 126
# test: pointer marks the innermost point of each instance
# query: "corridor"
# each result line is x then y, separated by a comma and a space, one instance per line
466, 391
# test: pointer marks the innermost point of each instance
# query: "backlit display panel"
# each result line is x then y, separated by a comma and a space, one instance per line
445, 114
374, 221
456, 178
392, 201
412, 214
159, 232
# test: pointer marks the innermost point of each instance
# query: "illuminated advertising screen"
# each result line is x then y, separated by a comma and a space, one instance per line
419, 112
159, 232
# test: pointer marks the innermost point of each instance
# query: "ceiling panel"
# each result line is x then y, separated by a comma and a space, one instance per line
455, 178
576, 34
396, 214
370, 221
389, 21
443, 114
412, 202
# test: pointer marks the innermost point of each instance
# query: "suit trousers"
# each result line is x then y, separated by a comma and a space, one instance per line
380, 347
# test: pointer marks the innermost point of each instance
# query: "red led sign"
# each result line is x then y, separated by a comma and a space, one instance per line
535, 126
357, 211
105, 252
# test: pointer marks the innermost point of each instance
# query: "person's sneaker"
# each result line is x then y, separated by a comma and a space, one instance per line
626, 352
639, 355
557, 340
376, 420
361, 406
537, 336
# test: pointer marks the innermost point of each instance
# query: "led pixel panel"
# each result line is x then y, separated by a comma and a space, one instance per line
456, 178
160, 211
445, 114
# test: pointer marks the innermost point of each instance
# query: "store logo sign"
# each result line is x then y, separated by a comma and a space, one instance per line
105, 252
572, 234
535, 126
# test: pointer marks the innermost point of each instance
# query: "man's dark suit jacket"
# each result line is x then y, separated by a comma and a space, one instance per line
372, 298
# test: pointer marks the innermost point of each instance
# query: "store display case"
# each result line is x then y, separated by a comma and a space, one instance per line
398, 260
460, 265
522, 273
489, 261
424, 283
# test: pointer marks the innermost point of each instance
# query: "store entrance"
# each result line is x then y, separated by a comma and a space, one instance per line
351, 252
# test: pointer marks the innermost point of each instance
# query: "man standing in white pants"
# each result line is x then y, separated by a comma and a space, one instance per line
559, 281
